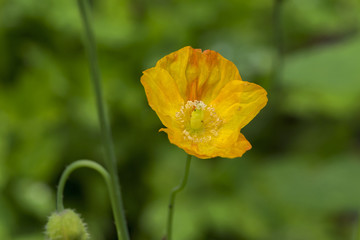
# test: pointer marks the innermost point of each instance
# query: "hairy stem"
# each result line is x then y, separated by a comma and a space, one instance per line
72, 167
84, 164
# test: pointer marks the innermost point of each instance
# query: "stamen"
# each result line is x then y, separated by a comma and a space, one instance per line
204, 126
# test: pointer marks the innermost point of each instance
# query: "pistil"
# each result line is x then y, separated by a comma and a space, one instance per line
200, 122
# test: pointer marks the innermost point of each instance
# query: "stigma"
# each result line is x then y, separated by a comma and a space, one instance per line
199, 122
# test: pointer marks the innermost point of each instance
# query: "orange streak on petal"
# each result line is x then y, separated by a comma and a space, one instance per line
199, 75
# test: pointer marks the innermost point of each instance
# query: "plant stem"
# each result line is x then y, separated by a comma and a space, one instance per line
110, 159
175, 191
72, 167
355, 235
278, 40
84, 164
271, 83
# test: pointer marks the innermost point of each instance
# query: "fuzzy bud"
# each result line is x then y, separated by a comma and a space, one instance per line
66, 225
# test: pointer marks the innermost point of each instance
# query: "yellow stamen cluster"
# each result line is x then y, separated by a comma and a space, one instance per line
199, 122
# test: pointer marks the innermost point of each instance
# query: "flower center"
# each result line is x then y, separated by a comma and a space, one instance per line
200, 122
197, 119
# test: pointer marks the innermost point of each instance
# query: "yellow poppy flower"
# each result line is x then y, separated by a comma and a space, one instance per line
203, 102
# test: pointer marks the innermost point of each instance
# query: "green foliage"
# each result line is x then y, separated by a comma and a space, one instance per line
330, 74
298, 182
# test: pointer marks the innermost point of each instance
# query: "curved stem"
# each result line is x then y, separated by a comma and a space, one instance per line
85, 164
110, 159
175, 191
72, 167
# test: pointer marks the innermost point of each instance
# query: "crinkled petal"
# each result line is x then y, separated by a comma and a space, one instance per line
195, 149
199, 75
238, 103
162, 94
231, 148
177, 138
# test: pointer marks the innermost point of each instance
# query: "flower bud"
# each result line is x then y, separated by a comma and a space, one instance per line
66, 225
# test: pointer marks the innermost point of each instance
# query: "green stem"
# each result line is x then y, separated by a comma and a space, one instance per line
84, 164
110, 159
278, 40
278, 30
175, 191
272, 82
72, 167
355, 233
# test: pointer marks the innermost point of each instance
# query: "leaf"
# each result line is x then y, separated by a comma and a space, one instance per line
324, 80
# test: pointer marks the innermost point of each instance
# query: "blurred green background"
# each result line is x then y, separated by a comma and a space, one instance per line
300, 180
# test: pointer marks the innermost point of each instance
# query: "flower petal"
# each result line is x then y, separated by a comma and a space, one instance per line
195, 149
162, 94
199, 75
238, 103
231, 148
